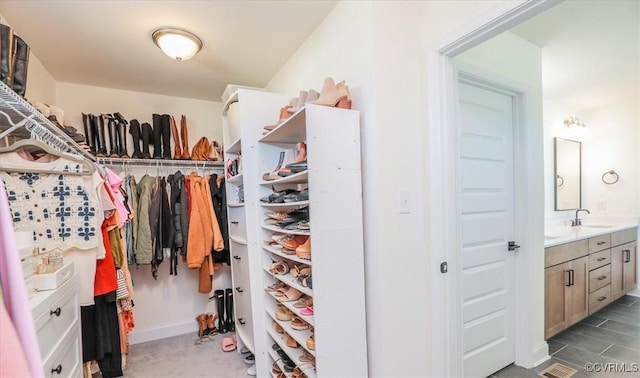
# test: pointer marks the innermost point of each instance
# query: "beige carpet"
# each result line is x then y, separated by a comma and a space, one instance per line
179, 357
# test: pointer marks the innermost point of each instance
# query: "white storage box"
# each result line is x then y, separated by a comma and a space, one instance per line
232, 88
27, 266
50, 281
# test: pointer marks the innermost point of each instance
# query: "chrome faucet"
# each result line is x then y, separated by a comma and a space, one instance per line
578, 221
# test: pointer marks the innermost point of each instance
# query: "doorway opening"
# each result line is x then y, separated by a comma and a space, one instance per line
448, 243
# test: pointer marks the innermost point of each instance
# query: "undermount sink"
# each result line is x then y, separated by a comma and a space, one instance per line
551, 237
597, 226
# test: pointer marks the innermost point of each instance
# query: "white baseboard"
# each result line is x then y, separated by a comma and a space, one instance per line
541, 353
137, 337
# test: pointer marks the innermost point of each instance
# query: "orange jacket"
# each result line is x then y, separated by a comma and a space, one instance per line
204, 231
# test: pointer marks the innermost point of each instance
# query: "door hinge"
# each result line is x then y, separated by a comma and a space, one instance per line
444, 267
512, 246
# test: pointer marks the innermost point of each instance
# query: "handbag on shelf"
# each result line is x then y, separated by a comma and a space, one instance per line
215, 151
201, 149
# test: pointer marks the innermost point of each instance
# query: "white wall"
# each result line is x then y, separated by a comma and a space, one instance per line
203, 117
41, 86
586, 71
378, 47
167, 306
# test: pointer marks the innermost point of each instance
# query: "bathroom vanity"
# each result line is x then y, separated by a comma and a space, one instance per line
586, 268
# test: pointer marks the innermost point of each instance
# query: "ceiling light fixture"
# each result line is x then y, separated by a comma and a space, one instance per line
178, 44
574, 121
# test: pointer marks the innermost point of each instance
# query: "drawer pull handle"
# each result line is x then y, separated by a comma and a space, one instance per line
601, 299
601, 278
602, 258
241, 321
239, 289
56, 312
57, 370
601, 243
234, 222
627, 255
237, 257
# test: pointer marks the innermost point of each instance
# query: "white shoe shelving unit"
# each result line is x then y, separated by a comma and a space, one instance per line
337, 254
244, 115
337, 258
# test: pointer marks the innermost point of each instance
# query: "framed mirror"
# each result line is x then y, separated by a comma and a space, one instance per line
568, 174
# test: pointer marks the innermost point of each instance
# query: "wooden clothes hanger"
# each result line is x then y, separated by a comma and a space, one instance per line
31, 143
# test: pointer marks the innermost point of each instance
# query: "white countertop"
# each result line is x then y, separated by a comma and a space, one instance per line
567, 234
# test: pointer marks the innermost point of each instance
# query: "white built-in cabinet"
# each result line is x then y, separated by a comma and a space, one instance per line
333, 180
56, 314
244, 114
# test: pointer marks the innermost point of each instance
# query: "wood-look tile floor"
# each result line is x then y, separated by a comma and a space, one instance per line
611, 335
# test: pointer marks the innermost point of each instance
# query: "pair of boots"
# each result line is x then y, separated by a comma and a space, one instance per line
14, 60
224, 302
94, 131
141, 134
163, 127
181, 150
206, 326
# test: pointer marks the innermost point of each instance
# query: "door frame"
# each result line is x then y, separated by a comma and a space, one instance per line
441, 95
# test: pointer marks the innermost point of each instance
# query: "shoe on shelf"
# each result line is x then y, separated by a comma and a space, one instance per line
332, 94
300, 101
297, 373
277, 197
287, 294
303, 251
307, 311
279, 268
300, 270
284, 114
311, 341
297, 167
292, 343
295, 242
296, 196
303, 302
277, 327
299, 325
283, 313
286, 157
301, 157
312, 96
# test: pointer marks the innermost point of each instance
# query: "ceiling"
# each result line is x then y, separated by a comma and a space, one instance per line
107, 43
590, 49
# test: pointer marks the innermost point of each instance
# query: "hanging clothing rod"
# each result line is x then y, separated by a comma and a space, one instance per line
160, 162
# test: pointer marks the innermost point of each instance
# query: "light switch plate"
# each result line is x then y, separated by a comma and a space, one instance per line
404, 201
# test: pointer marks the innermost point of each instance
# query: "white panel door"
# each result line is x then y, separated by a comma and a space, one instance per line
486, 219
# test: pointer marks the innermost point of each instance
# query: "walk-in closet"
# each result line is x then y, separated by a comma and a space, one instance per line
169, 216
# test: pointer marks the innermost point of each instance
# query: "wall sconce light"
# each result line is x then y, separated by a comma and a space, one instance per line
176, 43
574, 121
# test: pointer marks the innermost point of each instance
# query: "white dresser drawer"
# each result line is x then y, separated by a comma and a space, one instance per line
66, 361
55, 312
237, 222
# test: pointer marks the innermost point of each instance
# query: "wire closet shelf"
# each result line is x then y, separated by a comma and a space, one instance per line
16, 114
